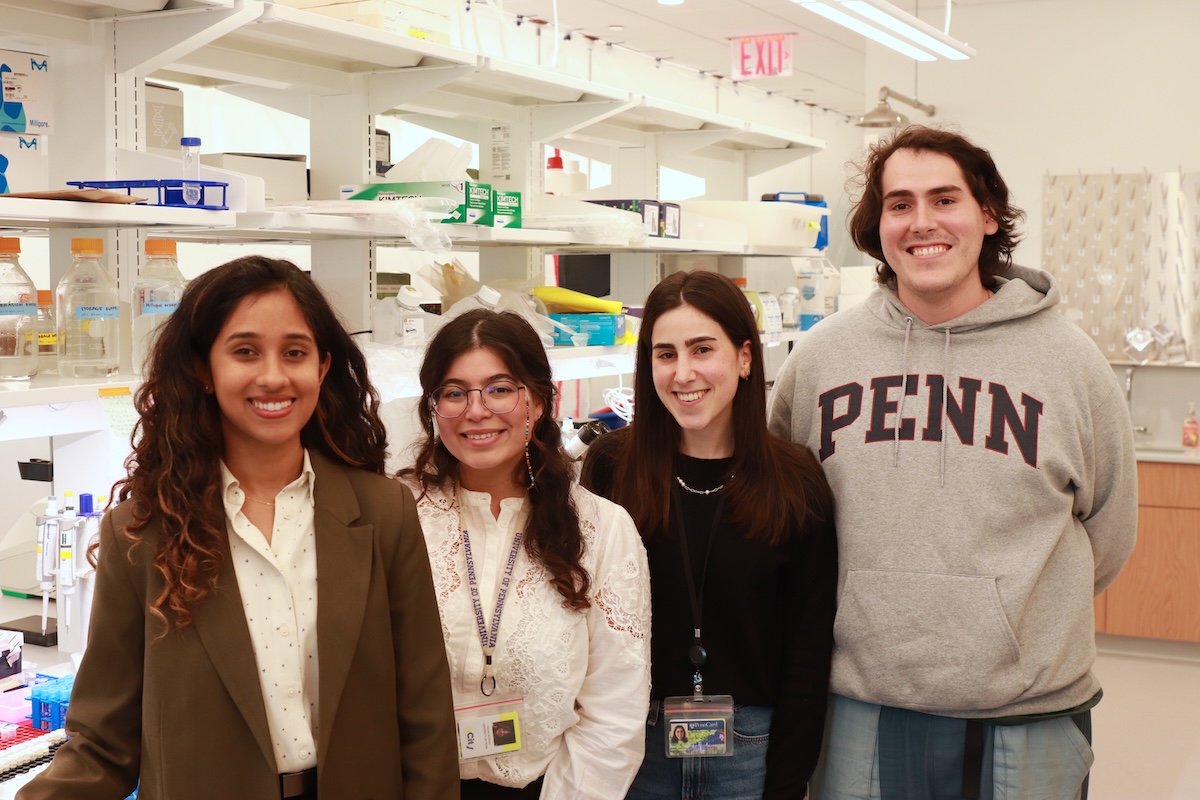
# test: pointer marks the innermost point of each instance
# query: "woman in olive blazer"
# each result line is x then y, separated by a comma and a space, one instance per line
169, 695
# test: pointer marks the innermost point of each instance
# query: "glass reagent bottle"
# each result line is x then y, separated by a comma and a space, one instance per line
89, 315
156, 294
18, 315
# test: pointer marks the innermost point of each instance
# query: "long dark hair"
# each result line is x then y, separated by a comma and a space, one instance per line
983, 179
173, 473
553, 536
775, 484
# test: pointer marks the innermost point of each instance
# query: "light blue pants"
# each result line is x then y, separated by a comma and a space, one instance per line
735, 777
1046, 760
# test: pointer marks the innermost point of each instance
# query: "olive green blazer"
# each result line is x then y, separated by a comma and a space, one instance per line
183, 714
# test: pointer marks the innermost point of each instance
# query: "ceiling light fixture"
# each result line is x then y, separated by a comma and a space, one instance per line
890, 26
884, 116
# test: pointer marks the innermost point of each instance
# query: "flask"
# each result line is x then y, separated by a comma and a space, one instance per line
47, 332
18, 315
88, 314
190, 151
1191, 431
156, 294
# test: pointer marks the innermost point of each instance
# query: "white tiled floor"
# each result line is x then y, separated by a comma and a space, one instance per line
1146, 730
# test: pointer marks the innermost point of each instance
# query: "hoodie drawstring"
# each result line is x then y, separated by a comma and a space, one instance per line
908, 323
945, 399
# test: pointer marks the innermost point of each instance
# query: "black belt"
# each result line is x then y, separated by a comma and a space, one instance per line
299, 784
973, 754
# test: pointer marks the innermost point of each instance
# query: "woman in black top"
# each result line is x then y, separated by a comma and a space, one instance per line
739, 531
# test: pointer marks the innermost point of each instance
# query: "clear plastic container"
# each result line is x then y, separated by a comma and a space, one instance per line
47, 332
88, 313
190, 152
156, 294
416, 324
18, 315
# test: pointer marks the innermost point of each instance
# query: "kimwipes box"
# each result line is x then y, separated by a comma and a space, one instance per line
474, 199
25, 79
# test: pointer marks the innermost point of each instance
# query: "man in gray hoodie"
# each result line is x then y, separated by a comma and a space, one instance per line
982, 459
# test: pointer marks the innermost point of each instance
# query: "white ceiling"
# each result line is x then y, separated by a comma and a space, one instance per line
829, 60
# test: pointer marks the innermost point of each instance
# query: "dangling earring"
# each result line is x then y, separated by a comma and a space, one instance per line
528, 463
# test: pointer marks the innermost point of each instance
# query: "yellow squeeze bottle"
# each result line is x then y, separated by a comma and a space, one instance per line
568, 300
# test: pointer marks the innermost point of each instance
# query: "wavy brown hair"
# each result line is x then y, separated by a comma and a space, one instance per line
553, 536
981, 175
174, 475
775, 486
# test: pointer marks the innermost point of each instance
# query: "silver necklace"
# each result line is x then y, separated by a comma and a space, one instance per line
713, 490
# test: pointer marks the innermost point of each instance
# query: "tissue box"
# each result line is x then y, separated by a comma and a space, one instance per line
506, 209
27, 94
419, 19
164, 119
285, 177
602, 329
474, 199
24, 165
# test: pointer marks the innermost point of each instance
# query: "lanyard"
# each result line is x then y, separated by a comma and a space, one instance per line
488, 638
697, 655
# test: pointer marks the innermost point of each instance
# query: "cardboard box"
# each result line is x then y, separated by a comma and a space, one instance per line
27, 95
474, 200
420, 19
671, 221
24, 164
506, 209
285, 176
602, 329
164, 119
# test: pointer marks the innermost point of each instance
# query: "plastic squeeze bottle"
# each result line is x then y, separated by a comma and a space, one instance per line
1191, 431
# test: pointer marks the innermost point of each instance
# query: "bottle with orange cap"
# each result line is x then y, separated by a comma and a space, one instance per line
88, 314
18, 315
156, 294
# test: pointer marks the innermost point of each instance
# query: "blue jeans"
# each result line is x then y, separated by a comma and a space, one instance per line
735, 777
1046, 760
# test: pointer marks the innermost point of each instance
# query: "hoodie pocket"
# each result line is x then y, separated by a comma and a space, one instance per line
925, 641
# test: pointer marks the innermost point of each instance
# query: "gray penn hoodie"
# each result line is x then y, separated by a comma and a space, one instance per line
982, 502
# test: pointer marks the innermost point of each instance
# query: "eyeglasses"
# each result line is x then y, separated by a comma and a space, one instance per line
499, 397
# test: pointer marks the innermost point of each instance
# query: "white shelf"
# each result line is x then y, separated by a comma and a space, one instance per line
25, 213
52, 389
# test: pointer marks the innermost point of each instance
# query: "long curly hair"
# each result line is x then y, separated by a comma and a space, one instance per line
775, 487
983, 179
553, 536
173, 474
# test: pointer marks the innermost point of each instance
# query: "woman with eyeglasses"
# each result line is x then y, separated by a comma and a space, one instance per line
542, 587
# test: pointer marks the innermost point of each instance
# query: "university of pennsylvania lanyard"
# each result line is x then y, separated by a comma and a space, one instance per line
488, 638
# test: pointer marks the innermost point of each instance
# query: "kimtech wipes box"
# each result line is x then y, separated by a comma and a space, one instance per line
26, 92
474, 200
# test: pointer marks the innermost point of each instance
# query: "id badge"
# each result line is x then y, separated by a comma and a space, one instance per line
700, 726
490, 728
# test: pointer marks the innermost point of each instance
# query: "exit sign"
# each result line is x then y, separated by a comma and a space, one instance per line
768, 55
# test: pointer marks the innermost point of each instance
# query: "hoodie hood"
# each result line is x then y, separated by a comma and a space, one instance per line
1021, 292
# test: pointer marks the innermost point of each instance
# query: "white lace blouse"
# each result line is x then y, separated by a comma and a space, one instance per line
585, 675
